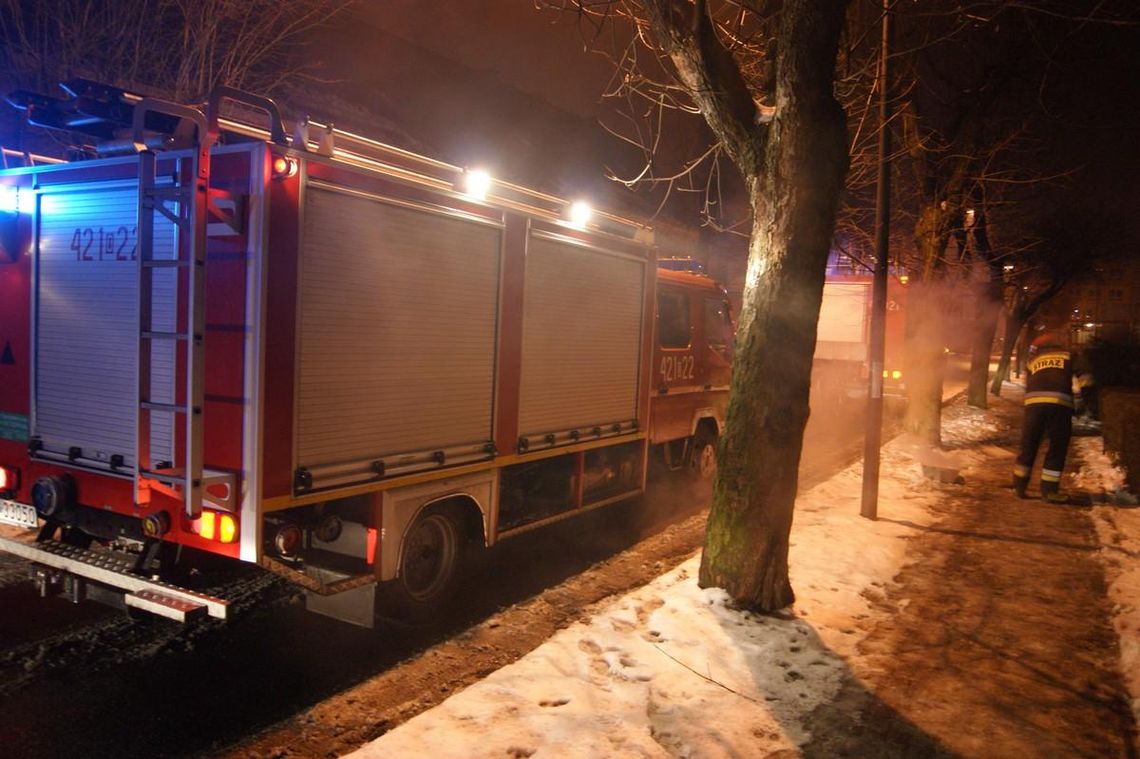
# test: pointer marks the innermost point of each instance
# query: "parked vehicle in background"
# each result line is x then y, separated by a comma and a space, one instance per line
841, 369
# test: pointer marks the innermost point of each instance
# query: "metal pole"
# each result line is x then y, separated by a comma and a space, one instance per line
873, 435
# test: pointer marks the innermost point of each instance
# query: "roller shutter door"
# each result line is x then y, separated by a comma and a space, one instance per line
582, 325
397, 329
841, 333
87, 328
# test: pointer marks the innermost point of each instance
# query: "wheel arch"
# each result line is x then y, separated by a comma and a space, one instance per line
466, 506
470, 497
702, 448
706, 419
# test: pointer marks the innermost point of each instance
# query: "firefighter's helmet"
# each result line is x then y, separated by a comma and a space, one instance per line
1044, 338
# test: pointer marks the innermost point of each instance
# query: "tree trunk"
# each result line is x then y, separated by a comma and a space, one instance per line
1002, 373
794, 193
925, 362
925, 357
988, 310
984, 331
1012, 331
1017, 317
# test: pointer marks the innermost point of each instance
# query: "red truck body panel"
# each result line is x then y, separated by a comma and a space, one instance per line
376, 342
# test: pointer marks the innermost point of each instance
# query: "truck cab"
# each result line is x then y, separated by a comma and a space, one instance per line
692, 368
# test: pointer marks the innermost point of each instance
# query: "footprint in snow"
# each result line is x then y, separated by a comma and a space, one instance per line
554, 702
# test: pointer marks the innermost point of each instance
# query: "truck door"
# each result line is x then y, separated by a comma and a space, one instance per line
715, 364
87, 325
675, 366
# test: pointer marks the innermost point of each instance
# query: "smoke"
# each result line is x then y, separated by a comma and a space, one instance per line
942, 327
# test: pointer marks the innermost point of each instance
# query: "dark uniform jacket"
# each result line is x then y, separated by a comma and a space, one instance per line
1050, 377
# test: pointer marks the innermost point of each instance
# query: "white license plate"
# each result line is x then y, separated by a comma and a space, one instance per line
17, 514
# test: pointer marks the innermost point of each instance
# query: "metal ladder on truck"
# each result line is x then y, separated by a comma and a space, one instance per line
195, 203
186, 204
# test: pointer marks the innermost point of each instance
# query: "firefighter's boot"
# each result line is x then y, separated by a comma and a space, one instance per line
1051, 492
1019, 485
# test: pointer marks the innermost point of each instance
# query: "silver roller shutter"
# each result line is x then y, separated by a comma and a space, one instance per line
582, 324
87, 325
397, 330
841, 331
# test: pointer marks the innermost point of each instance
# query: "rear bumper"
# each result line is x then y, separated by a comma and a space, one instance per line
113, 572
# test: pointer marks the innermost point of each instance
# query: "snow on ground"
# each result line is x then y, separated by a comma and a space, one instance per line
671, 670
1118, 530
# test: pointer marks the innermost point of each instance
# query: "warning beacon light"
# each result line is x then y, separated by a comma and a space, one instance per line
284, 167
9, 199
10, 237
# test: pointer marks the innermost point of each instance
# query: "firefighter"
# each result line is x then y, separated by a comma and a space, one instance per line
1048, 412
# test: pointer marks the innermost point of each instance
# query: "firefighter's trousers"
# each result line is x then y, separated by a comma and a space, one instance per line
1041, 420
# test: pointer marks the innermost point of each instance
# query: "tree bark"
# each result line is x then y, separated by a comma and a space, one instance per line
794, 191
985, 327
1012, 332
924, 362
986, 313
925, 357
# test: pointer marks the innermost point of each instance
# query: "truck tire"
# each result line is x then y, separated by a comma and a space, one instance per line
429, 566
702, 456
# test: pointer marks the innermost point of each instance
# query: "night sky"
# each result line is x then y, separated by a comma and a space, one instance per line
499, 82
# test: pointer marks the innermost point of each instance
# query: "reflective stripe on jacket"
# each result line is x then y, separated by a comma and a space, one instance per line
1050, 378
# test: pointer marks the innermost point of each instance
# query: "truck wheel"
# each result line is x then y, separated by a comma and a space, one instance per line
429, 564
702, 457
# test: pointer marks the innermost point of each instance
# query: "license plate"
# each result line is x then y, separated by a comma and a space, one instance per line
17, 514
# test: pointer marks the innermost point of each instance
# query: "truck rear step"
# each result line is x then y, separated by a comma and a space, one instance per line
106, 569
178, 609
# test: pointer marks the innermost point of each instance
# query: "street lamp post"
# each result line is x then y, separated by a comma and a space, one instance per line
873, 434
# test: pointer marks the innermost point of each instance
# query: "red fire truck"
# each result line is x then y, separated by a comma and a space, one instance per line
336, 359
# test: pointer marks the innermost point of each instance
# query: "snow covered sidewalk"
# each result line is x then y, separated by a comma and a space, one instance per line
672, 670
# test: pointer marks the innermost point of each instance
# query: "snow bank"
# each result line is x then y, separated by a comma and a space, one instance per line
1118, 532
672, 670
